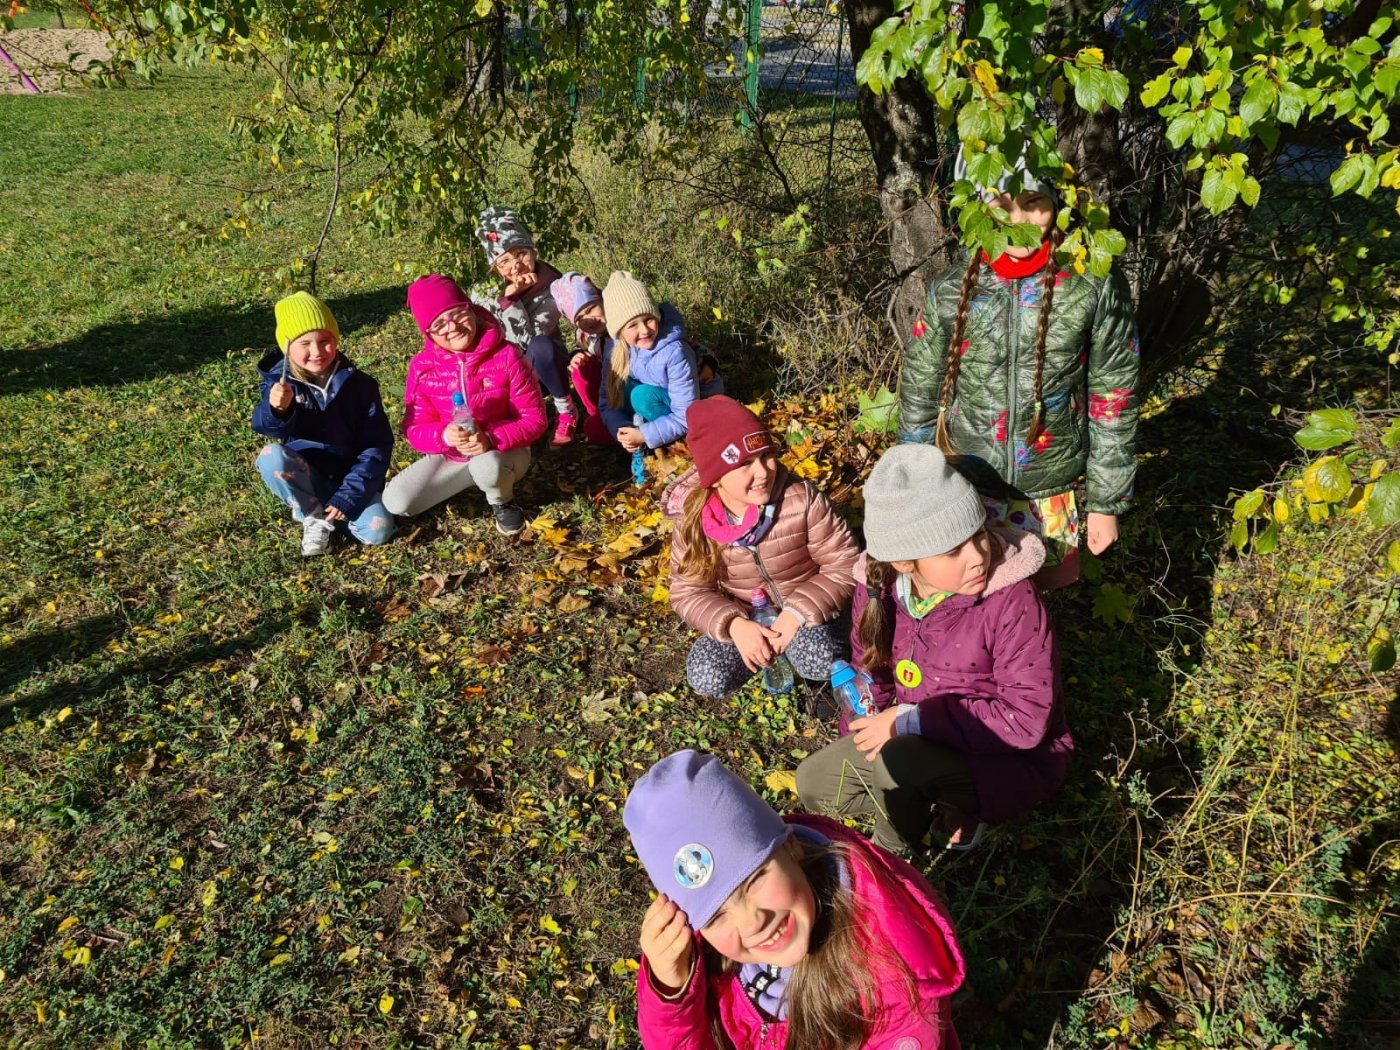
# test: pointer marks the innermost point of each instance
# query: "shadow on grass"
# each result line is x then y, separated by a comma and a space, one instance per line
167, 344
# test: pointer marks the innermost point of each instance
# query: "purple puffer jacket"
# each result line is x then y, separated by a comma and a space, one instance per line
499, 385
899, 903
985, 673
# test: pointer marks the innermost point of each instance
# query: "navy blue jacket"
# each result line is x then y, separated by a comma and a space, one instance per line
343, 434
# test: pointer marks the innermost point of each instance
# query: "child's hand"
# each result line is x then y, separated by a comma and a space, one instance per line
785, 629
874, 731
630, 438
667, 943
1103, 532
458, 438
576, 362
754, 642
334, 513
520, 284
280, 397
582, 338
475, 444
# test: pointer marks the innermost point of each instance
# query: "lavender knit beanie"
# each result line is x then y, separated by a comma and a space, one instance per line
572, 292
699, 831
918, 506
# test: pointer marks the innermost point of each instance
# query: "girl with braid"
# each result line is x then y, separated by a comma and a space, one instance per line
1026, 374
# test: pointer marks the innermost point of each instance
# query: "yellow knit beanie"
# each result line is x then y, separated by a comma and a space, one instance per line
625, 297
300, 313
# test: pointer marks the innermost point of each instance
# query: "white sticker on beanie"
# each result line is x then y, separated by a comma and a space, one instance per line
693, 865
731, 454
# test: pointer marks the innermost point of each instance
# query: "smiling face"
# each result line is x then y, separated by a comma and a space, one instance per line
962, 570
749, 484
516, 263
313, 353
590, 318
769, 918
640, 332
454, 329
1032, 207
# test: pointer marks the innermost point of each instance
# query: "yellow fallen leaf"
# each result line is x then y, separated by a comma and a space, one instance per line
572, 603
550, 926
782, 780
386, 1003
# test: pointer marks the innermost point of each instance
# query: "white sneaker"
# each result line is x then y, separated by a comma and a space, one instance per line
316, 534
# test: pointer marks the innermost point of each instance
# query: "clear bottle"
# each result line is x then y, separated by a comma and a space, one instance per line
461, 414
639, 459
778, 677
852, 688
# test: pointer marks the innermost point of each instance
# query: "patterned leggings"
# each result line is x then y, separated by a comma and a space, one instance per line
715, 668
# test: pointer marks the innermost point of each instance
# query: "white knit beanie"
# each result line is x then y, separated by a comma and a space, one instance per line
917, 506
625, 297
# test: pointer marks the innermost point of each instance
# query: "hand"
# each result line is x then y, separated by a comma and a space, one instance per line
334, 513
280, 396
785, 628
524, 281
1103, 532
475, 444
576, 362
754, 642
667, 943
874, 731
631, 438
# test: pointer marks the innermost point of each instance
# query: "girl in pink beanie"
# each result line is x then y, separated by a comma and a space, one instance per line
473, 408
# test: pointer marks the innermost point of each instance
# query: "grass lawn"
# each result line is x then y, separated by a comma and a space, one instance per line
373, 800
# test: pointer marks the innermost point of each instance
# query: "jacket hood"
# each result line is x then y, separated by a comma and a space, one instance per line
1018, 555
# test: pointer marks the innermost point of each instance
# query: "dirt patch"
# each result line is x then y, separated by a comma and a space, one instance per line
46, 56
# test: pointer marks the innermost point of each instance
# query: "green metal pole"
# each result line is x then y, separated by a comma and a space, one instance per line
639, 97
835, 96
753, 33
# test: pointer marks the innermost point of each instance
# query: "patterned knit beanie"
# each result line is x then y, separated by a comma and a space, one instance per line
625, 297
917, 506
300, 313
1029, 182
722, 434
572, 292
499, 230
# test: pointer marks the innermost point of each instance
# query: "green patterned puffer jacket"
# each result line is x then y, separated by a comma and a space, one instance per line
1089, 384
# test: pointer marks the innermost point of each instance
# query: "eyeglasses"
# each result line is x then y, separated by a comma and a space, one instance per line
459, 319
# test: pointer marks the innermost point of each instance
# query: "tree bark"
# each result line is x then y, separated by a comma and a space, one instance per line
906, 142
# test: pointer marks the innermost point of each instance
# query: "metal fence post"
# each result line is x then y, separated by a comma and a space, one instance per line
639, 96
753, 33
835, 96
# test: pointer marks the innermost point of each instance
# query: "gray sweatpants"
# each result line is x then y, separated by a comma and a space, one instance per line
432, 479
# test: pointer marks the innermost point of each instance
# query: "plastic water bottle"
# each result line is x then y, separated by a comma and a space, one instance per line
461, 414
778, 676
639, 459
852, 688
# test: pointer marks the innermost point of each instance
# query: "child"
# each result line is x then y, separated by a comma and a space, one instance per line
526, 309
964, 661
745, 523
650, 376
581, 304
774, 932
465, 351
333, 439
1029, 373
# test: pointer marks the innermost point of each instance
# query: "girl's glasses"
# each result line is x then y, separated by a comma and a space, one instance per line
460, 319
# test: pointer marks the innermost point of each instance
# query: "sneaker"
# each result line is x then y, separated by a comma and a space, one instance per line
316, 534
564, 428
510, 519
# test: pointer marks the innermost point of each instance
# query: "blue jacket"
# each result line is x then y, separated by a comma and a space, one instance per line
341, 432
670, 364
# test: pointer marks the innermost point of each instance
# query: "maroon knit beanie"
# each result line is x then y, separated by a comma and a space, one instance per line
723, 434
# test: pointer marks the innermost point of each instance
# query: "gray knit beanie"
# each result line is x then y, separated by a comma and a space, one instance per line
917, 506
625, 297
1030, 183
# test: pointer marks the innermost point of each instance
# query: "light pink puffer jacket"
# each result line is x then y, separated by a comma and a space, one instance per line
500, 387
804, 562
899, 905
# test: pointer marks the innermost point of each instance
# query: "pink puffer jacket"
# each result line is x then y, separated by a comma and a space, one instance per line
804, 562
898, 903
501, 389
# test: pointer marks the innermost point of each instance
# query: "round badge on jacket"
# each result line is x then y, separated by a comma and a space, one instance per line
693, 865
907, 674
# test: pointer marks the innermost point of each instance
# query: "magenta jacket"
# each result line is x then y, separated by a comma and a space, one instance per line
898, 902
500, 387
988, 678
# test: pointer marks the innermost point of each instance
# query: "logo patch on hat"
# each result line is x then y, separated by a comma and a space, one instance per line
731, 453
693, 865
757, 442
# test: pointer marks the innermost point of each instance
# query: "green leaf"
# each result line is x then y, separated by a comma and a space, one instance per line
1239, 535
1334, 419
1155, 90
1248, 504
1258, 101
878, 415
1392, 556
1216, 191
1350, 172
1327, 481
1267, 541
1111, 605
1179, 129
1383, 507
1326, 429
1391, 437
1382, 654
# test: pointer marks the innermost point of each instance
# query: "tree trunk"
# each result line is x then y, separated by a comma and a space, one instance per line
906, 142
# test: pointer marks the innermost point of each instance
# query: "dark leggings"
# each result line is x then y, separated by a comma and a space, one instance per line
547, 358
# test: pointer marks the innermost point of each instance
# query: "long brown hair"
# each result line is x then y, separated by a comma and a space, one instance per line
701, 559
832, 989
876, 627
953, 355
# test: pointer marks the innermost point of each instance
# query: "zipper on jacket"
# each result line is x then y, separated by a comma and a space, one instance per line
774, 594
1013, 344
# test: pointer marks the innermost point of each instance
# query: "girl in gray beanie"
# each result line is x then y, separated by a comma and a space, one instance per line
965, 667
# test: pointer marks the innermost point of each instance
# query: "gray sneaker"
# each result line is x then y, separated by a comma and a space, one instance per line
510, 519
316, 534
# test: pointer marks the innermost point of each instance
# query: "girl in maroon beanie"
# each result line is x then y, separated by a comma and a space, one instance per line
744, 524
